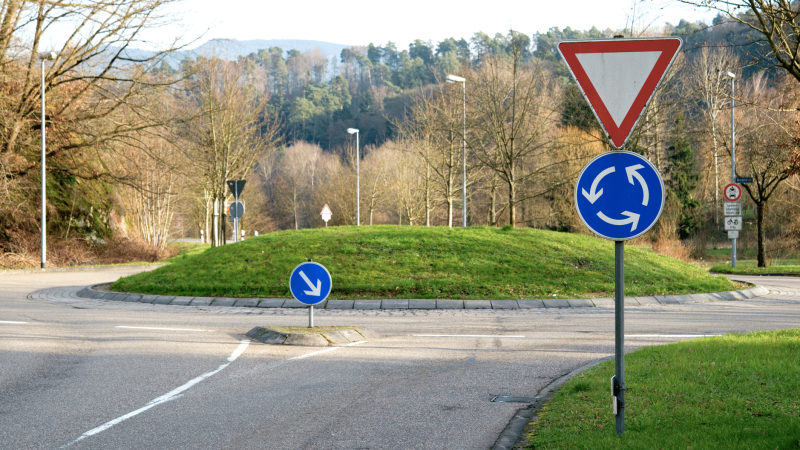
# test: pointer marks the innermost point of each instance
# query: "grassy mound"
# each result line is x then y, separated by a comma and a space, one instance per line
734, 391
425, 262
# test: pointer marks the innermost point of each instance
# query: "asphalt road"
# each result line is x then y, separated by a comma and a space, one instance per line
92, 374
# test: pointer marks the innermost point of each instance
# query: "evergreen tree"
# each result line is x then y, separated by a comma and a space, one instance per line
683, 179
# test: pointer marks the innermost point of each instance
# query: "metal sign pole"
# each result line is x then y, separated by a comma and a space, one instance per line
311, 316
619, 334
236, 219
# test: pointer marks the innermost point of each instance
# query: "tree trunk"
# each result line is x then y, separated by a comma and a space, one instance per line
512, 206
450, 211
761, 209
215, 224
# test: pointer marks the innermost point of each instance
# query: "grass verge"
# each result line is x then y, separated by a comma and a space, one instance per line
425, 262
750, 267
738, 391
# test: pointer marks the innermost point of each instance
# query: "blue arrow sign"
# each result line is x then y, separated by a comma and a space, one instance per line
619, 195
310, 283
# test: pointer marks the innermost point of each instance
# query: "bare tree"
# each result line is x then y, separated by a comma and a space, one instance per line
709, 82
231, 129
774, 20
515, 109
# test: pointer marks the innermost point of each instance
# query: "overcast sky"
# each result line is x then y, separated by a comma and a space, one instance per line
360, 22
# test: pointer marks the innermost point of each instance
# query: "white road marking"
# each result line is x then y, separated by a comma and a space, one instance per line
319, 352
672, 335
11, 321
165, 329
171, 395
468, 335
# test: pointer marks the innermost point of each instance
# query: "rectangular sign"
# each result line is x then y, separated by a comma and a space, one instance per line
732, 208
733, 235
744, 179
733, 223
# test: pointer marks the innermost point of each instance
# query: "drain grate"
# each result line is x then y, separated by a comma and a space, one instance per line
511, 399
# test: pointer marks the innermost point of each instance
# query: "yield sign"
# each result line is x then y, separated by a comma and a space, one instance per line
618, 77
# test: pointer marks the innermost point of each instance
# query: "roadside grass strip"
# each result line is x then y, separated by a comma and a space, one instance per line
738, 391
750, 267
394, 262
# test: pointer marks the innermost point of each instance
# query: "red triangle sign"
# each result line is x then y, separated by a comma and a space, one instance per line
618, 77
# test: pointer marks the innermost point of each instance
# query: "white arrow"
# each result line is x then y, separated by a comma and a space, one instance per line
632, 172
317, 291
632, 218
594, 195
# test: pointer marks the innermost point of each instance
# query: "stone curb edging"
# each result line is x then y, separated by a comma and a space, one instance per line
744, 294
78, 269
518, 424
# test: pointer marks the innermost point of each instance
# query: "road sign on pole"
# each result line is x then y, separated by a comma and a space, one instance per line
310, 283
732, 209
237, 210
236, 187
326, 214
619, 195
733, 224
732, 192
618, 77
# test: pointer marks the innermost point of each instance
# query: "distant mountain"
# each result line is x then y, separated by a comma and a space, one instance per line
232, 49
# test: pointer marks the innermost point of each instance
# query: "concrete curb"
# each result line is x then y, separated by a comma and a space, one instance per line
518, 424
76, 269
400, 304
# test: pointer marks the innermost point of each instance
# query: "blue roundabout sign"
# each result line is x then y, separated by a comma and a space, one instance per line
619, 195
310, 283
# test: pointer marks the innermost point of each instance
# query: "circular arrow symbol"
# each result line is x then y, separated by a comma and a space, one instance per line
619, 195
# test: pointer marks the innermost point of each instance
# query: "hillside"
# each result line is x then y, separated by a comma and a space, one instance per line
419, 262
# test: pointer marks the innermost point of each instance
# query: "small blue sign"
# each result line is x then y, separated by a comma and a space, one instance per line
310, 283
619, 195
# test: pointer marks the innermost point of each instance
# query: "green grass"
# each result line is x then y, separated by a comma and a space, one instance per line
750, 266
422, 262
730, 392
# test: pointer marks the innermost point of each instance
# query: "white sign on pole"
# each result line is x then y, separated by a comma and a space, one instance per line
732, 208
733, 235
618, 77
733, 224
326, 214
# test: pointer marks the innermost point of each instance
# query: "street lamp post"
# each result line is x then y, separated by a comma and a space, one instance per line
733, 157
358, 189
463, 81
44, 57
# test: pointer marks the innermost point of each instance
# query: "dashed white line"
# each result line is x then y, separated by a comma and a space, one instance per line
12, 322
468, 335
171, 395
163, 329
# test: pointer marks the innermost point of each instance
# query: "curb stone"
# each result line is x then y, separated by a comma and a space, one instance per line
516, 427
387, 304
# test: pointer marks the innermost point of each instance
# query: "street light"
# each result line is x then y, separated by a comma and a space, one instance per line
733, 157
358, 190
51, 56
463, 81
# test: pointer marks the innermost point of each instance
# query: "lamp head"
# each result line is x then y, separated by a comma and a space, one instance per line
352, 130
730, 74
50, 56
455, 79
